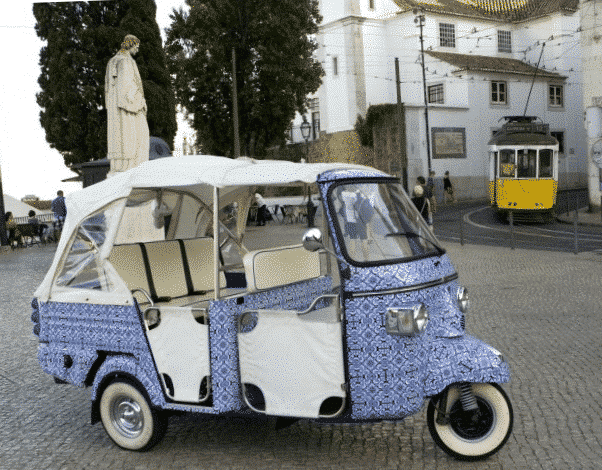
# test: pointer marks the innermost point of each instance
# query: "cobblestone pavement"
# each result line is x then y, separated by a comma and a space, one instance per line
541, 309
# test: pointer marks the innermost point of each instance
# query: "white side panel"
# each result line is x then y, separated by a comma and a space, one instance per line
296, 363
180, 346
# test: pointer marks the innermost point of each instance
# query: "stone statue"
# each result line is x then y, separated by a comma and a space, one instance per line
128, 135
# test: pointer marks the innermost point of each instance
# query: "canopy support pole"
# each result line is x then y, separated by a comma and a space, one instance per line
216, 242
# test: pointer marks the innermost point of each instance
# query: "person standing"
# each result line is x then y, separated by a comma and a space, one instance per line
448, 189
59, 209
311, 212
422, 204
261, 210
127, 129
430, 191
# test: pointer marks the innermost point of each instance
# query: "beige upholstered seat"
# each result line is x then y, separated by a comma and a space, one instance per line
273, 267
129, 263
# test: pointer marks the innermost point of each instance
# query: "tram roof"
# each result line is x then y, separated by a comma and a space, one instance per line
523, 130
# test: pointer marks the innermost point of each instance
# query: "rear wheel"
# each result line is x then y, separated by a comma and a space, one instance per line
128, 418
473, 435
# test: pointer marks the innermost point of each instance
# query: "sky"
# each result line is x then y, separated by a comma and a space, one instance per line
27, 163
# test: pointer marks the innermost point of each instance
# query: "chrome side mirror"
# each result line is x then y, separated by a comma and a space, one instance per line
312, 240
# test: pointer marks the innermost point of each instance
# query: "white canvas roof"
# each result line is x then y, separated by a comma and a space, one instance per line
197, 174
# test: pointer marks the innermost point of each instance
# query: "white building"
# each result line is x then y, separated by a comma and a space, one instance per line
591, 43
480, 58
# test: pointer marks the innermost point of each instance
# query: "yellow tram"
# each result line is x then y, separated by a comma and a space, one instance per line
523, 167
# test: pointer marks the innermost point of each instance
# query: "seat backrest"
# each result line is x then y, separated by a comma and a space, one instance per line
199, 253
167, 268
129, 263
273, 267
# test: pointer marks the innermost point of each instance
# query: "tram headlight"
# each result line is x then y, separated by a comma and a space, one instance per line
463, 300
406, 320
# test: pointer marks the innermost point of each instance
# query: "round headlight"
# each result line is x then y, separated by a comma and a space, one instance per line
421, 318
463, 300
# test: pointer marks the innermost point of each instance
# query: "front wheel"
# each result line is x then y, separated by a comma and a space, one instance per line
128, 418
473, 435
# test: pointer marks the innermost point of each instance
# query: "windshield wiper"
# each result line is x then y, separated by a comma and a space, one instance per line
414, 234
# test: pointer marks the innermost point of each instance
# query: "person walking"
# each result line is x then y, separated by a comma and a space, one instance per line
448, 189
59, 209
422, 204
261, 210
430, 191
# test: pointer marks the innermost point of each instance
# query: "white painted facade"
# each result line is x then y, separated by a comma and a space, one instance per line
358, 47
591, 43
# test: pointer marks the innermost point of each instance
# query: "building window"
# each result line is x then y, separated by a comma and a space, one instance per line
559, 136
435, 93
335, 66
447, 35
504, 41
371, 4
499, 93
556, 98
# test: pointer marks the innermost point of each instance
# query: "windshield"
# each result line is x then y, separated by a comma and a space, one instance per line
379, 223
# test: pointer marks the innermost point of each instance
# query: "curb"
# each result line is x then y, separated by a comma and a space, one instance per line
579, 222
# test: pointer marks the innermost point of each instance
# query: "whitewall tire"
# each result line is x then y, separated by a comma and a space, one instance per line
470, 437
128, 418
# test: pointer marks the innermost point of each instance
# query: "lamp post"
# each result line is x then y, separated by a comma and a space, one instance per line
420, 20
305, 128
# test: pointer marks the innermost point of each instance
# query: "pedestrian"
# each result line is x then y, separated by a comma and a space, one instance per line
422, 204
311, 212
430, 191
261, 210
448, 189
14, 234
59, 209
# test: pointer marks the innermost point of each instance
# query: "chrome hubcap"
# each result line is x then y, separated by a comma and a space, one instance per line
127, 417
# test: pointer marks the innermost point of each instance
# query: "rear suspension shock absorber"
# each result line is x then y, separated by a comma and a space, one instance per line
467, 398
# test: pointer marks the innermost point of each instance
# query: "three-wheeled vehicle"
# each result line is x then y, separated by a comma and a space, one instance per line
158, 302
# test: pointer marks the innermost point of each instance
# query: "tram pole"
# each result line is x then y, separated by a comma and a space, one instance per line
461, 229
512, 244
575, 217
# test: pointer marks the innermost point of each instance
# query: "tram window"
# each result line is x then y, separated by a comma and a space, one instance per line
545, 163
525, 163
507, 163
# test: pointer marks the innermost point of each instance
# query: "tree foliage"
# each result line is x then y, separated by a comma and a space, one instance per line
275, 68
81, 38
365, 126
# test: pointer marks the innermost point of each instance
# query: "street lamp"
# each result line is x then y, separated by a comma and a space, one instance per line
420, 20
305, 129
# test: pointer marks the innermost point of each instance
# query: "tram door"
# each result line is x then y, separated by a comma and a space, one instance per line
493, 175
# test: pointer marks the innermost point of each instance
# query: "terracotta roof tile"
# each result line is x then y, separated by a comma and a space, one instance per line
504, 10
480, 63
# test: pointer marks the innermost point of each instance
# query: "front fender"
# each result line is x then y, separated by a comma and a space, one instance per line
462, 359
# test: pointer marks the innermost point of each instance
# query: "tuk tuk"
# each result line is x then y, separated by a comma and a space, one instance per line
156, 303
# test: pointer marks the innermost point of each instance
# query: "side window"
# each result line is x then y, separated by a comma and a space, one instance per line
82, 268
507, 163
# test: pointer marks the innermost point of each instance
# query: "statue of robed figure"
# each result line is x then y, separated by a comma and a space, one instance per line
128, 135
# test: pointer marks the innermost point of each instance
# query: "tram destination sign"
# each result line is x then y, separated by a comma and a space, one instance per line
449, 142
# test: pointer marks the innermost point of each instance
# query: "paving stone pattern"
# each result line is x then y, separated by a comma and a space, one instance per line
541, 309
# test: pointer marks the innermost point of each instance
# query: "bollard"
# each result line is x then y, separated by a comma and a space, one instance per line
576, 216
511, 231
461, 229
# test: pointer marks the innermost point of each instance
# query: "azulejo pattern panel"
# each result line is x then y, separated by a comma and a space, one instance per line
465, 359
73, 334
